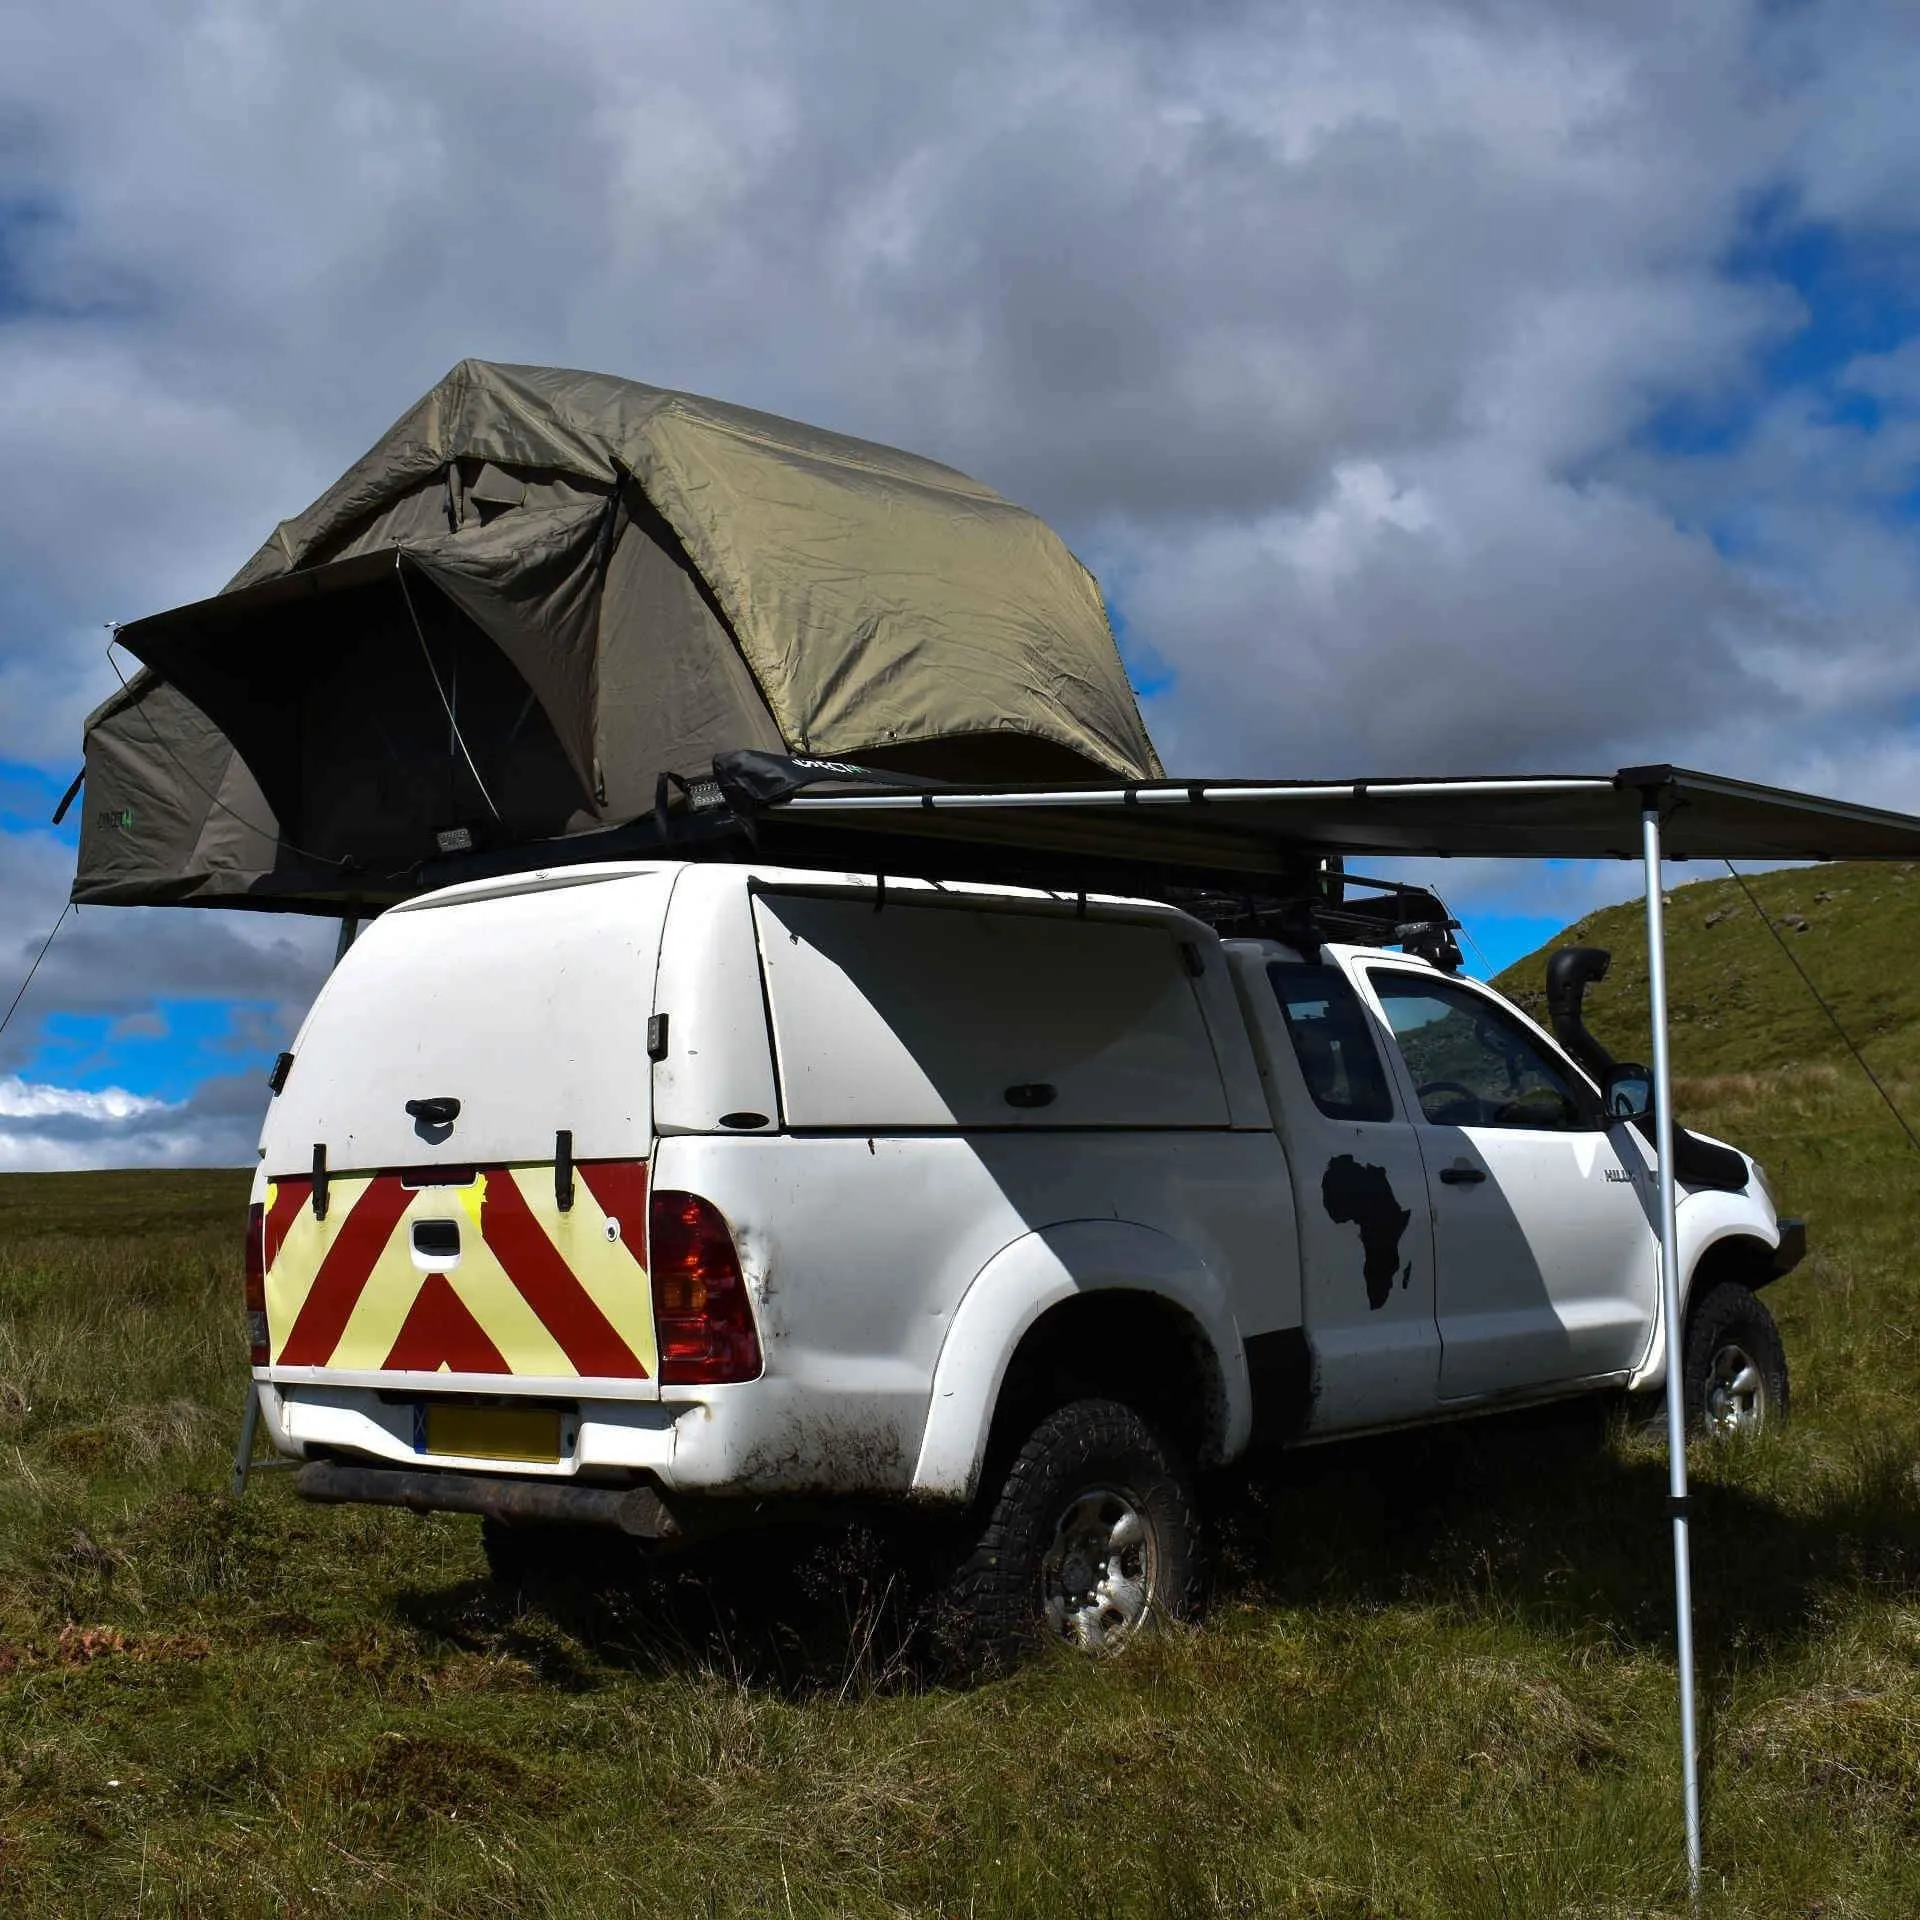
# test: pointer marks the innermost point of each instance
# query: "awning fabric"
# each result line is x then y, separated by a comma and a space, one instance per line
1254, 830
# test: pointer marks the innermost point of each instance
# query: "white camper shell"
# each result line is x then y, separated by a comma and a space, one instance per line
639, 1194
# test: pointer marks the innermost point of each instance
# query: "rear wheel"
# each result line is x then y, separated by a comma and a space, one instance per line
1092, 1536
1736, 1365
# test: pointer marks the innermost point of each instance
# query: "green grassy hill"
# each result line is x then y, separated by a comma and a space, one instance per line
1737, 1005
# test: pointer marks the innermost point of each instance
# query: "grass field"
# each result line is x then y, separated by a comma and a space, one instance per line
1436, 1678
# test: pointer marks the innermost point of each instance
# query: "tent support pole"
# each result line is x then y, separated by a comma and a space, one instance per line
1676, 1356
349, 927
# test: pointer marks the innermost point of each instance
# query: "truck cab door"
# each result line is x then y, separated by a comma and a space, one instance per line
1360, 1196
1546, 1251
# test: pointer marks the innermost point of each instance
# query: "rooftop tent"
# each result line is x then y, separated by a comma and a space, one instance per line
540, 591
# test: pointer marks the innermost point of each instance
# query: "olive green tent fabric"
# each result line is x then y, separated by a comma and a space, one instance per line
171, 813
543, 589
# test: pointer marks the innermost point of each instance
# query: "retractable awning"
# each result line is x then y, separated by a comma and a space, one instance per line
1259, 828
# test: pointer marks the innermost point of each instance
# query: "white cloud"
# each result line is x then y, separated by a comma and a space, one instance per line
1168, 283
22, 1100
47, 1128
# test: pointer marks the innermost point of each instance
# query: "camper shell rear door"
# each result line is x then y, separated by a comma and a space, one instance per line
454, 1173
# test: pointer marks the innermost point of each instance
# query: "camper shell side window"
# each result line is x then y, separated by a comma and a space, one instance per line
958, 1012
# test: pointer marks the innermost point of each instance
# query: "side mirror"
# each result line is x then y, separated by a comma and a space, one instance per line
1627, 1091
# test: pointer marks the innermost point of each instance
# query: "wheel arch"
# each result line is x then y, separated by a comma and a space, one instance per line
1721, 1238
1737, 1255
1096, 1307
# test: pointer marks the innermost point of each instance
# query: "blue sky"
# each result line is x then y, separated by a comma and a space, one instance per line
1434, 388
28, 796
160, 1046
165, 1050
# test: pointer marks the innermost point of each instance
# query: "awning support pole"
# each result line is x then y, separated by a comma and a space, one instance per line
1674, 1333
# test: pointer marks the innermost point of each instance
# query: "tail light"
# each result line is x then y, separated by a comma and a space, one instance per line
701, 1314
256, 1284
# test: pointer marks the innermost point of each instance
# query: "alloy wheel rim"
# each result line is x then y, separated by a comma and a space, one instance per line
1097, 1575
1736, 1396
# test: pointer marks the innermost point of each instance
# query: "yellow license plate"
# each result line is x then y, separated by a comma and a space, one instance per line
494, 1433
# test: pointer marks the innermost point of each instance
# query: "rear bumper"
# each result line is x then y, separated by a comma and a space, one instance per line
634, 1510
773, 1435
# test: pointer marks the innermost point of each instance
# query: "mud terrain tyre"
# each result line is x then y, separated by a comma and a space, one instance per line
1735, 1376
1090, 1536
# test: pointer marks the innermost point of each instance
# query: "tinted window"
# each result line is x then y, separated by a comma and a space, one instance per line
1328, 1028
1471, 1065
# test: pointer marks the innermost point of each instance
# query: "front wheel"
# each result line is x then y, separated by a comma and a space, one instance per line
1092, 1535
1736, 1366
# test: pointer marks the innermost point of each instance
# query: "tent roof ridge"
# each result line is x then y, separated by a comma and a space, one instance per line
724, 417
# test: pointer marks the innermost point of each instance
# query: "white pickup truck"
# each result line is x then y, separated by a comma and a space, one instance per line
651, 1195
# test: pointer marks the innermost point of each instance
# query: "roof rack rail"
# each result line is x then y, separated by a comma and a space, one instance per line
1414, 919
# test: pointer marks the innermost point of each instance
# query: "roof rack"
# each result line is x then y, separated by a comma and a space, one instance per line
1305, 900
1415, 919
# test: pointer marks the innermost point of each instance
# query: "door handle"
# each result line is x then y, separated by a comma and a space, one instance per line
1032, 1093
1462, 1176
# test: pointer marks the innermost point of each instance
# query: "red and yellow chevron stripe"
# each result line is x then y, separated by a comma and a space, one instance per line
535, 1291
